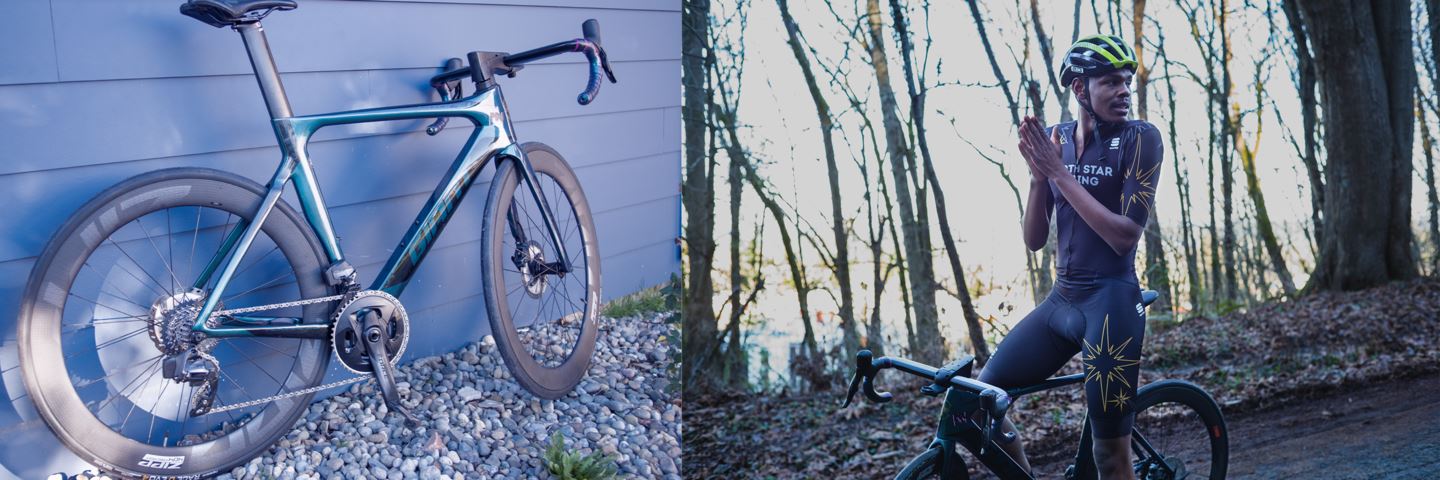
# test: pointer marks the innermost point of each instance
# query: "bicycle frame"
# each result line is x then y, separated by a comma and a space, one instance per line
956, 428
493, 139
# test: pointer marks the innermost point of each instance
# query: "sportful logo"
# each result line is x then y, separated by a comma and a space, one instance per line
1115, 143
1139, 309
161, 461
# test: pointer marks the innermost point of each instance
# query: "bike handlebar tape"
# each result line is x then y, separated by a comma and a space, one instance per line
592, 85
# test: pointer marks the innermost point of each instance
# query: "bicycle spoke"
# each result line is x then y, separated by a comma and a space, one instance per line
113, 309
116, 372
142, 267
257, 261
133, 404
151, 433
195, 239
141, 221
263, 285
126, 388
127, 272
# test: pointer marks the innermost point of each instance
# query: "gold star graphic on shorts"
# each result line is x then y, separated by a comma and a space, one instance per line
1106, 364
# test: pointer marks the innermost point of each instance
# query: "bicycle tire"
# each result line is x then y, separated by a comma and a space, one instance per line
924, 465
53, 375
530, 350
1191, 407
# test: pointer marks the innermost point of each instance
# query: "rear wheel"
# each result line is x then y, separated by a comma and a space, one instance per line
544, 323
116, 288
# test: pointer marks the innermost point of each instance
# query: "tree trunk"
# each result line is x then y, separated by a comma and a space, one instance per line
921, 271
914, 83
1306, 85
850, 334
735, 377
1157, 267
1227, 177
1252, 182
698, 196
1367, 74
1432, 11
811, 366
1428, 146
1182, 186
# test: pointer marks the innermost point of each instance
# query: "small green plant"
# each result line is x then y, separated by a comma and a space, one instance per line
568, 465
647, 301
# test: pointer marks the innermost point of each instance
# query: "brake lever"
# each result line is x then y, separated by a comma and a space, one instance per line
854, 387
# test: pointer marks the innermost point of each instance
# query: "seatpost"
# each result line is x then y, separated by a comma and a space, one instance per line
265, 72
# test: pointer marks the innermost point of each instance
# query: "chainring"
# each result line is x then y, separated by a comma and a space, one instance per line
345, 337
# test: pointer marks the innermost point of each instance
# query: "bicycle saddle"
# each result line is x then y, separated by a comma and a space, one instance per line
223, 13
1148, 297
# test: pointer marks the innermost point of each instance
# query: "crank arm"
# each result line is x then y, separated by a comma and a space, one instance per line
380, 365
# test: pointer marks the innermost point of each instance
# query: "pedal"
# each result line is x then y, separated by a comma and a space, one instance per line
375, 337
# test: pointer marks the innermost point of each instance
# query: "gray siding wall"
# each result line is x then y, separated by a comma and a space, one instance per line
95, 91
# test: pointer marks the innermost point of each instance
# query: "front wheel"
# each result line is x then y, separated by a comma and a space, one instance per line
925, 465
1179, 433
544, 321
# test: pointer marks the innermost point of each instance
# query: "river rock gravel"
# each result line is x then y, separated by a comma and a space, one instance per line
476, 422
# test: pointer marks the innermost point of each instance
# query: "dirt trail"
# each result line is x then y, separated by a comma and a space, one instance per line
1388, 430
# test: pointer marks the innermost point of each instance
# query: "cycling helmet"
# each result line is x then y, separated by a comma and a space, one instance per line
1093, 56
1096, 55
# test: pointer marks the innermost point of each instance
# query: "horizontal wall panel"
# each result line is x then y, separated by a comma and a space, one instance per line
157, 41
64, 125
28, 55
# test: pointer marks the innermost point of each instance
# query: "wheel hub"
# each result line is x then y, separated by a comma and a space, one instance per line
171, 320
527, 254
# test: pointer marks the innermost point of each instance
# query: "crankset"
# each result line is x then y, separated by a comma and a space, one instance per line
369, 335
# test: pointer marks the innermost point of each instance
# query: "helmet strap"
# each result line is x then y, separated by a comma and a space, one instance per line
1085, 102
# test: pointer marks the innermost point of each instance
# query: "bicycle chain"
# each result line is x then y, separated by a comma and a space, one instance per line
282, 396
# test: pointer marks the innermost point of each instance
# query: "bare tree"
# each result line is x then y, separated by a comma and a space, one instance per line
917, 87
1182, 183
1305, 83
697, 194
1248, 153
841, 261
913, 225
1157, 271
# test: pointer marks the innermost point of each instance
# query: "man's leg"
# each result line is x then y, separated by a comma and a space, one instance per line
1112, 458
1114, 334
1029, 354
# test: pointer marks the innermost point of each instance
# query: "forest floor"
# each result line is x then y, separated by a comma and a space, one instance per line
1297, 380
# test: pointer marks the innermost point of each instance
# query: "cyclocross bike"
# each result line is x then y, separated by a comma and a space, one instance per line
181, 321
1179, 431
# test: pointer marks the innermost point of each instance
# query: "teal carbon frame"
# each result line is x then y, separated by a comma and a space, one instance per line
492, 138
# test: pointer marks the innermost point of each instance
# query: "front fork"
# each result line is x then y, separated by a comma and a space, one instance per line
561, 265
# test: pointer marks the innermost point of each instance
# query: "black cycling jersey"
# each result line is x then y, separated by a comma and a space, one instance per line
1120, 169
1094, 308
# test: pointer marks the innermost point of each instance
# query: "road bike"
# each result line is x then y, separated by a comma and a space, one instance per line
182, 320
1179, 430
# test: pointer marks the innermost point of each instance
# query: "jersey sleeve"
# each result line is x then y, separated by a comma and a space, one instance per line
1142, 175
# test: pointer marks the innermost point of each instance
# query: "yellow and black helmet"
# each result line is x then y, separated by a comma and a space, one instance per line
1096, 55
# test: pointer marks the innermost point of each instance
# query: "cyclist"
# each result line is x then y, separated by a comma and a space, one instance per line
1099, 175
